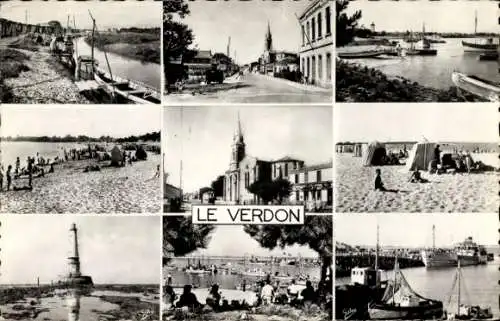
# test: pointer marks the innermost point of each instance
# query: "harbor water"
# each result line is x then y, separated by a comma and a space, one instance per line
145, 72
479, 285
432, 71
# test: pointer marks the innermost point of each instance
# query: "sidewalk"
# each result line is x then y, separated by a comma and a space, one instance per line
296, 84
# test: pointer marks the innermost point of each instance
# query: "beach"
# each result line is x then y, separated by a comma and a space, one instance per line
129, 189
354, 189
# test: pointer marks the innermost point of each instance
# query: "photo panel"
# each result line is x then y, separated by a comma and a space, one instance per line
62, 267
416, 158
80, 159
80, 52
279, 53
444, 267
254, 272
417, 51
248, 155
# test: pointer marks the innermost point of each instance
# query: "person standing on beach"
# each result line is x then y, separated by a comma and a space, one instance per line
30, 171
378, 181
9, 177
437, 155
18, 165
1, 178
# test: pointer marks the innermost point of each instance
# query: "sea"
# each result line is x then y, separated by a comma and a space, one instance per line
434, 71
479, 284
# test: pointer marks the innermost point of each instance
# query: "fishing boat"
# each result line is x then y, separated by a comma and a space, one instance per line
362, 54
477, 86
401, 302
425, 50
435, 39
487, 46
488, 56
466, 312
254, 273
130, 90
192, 270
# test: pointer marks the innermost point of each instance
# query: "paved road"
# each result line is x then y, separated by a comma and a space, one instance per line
260, 89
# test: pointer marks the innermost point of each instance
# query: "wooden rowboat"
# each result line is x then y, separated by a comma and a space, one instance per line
133, 91
362, 54
477, 86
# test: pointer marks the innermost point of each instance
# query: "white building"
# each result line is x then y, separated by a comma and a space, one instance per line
312, 186
317, 43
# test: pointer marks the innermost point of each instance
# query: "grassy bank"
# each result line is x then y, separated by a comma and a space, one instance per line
141, 46
13, 63
355, 83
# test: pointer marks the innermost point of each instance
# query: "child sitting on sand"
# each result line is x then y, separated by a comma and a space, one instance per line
378, 181
417, 178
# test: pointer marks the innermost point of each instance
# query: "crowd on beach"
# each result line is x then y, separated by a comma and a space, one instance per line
267, 293
36, 166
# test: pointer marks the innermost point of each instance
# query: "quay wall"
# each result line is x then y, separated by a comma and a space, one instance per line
345, 263
10, 28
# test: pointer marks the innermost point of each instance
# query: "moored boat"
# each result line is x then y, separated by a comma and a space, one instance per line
362, 54
130, 90
477, 86
488, 56
484, 46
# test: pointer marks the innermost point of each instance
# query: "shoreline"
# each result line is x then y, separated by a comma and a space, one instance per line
358, 83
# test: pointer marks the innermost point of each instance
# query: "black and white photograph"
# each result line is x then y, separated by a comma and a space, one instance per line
248, 155
80, 52
417, 51
80, 268
416, 158
80, 159
252, 272
248, 52
417, 266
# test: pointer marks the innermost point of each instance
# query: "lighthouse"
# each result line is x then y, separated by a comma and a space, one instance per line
75, 279
74, 261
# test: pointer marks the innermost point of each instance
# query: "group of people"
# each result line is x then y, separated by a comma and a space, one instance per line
34, 166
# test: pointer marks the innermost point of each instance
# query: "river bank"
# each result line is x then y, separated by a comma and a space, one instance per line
140, 46
357, 83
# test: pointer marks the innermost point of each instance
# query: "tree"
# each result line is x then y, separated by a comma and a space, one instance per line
317, 233
346, 25
270, 191
176, 38
218, 186
181, 236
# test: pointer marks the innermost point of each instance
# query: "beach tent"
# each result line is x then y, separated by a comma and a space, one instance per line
420, 156
373, 154
358, 150
116, 156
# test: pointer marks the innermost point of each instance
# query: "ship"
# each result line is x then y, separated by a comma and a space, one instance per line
469, 252
485, 46
436, 257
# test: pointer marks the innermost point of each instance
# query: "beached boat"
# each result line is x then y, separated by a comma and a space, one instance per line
362, 54
401, 302
467, 312
477, 86
130, 90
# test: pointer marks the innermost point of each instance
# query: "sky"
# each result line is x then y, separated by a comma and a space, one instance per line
438, 16
108, 14
95, 121
232, 240
204, 140
113, 249
415, 230
245, 22
410, 122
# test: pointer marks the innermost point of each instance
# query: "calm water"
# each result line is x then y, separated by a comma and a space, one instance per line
479, 285
231, 281
435, 71
11, 150
148, 73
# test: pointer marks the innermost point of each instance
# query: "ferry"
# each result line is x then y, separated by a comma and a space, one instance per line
470, 253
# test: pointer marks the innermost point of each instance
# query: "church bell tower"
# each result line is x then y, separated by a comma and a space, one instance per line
238, 147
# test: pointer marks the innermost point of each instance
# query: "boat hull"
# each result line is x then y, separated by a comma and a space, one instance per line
382, 311
471, 260
478, 87
438, 260
474, 47
360, 55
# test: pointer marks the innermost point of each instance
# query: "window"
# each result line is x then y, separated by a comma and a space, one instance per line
318, 176
303, 35
308, 31
327, 20
296, 178
286, 169
297, 196
320, 67
313, 30
319, 25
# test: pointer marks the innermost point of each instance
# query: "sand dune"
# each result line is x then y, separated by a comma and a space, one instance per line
129, 189
354, 190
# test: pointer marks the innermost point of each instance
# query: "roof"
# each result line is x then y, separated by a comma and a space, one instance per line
287, 159
204, 54
313, 167
309, 7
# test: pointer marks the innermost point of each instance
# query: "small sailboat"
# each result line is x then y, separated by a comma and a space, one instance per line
466, 312
425, 50
489, 46
401, 302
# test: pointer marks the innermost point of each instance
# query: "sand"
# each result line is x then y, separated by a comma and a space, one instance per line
446, 193
129, 189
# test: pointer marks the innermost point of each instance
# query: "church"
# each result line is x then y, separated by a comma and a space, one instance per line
245, 169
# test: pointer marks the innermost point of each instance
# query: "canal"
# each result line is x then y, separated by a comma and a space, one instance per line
145, 72
479, 285
433, 71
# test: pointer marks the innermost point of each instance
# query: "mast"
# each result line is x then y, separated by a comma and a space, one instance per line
475, 23
377, 250
180, 165
433, 237
458, 272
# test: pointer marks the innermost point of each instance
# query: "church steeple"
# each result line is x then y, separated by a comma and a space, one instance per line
269, 38
238, 148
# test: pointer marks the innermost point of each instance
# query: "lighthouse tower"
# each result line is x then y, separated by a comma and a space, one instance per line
74, 261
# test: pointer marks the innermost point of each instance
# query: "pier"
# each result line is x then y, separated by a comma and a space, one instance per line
194, 259
345, 262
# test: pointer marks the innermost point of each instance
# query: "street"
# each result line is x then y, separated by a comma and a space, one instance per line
258, 88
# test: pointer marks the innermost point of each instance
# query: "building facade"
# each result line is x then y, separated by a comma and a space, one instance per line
317, 43
312, 186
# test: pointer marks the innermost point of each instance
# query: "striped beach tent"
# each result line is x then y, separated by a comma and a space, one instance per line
373, 154
420, 156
